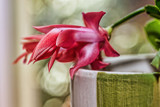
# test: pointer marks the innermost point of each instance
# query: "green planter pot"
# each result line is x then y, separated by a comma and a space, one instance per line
117, 89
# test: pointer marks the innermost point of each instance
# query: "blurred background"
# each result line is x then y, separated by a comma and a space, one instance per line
28, 85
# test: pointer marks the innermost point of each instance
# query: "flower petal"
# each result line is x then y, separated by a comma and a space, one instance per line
85, 56
34, 37
68, 37
20, 57
92, 19
109, 51
29, 46
97, 64
51, 62
46, 54
66, 55
46, 29
45, 44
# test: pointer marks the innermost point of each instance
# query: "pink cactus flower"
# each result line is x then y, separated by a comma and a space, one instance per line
67, 43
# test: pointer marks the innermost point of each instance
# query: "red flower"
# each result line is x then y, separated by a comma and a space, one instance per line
28, 46
90, 53
67, 43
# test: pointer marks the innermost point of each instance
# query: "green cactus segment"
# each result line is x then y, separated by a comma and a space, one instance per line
157, 3
153, 11
152, 29
127, 90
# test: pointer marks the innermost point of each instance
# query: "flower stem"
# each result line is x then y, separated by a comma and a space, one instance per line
129, 16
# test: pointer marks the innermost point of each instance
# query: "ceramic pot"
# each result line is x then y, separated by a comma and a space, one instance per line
128, 82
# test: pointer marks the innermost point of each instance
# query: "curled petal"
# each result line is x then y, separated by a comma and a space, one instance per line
53, 57
97, 64
46, 54
85, 56
66, 55
46, 29
92, 19
20, 57
29, 46
109, 51
45, 44
68, 37
34, 37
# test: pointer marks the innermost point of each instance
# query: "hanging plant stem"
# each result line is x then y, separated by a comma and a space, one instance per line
129, 16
